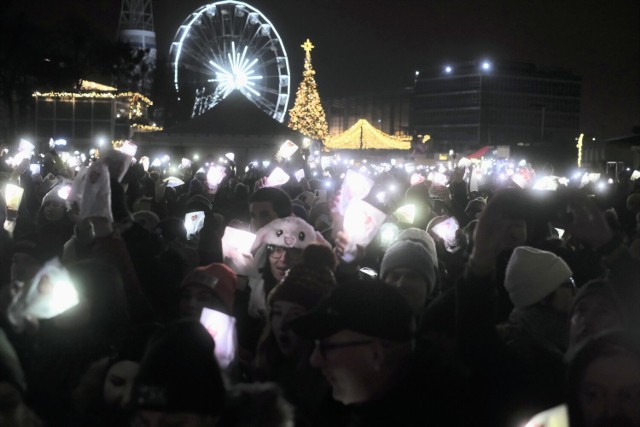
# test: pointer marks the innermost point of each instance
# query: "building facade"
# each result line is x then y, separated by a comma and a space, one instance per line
462, 106
388, 111
92, 114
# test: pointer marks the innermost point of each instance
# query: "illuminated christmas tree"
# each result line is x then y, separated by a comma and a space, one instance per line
307, 115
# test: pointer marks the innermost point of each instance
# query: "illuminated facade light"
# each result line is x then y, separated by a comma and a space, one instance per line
486, 65
448, 69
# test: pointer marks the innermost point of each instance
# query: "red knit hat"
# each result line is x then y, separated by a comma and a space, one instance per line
217, 277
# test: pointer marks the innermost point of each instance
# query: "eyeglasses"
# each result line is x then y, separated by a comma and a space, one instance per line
276, 252
324, 348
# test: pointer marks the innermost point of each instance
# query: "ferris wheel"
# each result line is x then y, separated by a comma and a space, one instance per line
230, 45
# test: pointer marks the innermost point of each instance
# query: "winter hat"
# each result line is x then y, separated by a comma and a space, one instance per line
474, 206
417, 235
199, 202
307, 283
217, 277
147, 219
409, 254
196, 187
298, 209
289, 232
533, 274
179, 372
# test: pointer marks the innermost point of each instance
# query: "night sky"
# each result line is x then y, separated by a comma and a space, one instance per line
362, 45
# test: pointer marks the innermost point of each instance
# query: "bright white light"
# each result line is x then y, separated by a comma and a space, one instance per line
610, 181
486, 65
196, 157
265, 163
236, 73
448, 69
601, 186
101, 141
165, 158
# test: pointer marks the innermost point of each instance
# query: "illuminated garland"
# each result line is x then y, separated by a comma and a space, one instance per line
136, 100
146, 128
98, 95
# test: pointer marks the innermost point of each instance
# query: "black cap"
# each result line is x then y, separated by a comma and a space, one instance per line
369, 307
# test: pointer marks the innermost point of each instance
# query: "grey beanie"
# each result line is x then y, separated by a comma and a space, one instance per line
409, 254
422, 237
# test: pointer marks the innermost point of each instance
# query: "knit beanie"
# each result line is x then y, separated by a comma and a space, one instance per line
179, 373
533, 274
307, 283
199, 202
217, 277
409, 254
417, 235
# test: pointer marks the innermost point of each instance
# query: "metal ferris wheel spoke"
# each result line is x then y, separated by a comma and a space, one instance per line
231, 45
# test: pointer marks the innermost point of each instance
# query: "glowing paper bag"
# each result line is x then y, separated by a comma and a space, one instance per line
438, 178
222, 329
172, 182
406, 214
25, 151
128, 148
118, 163
361, 223
193, 222
236, 247
13, 196
446, 230
286, 150
64, 192
277, 177
299, 175
635, 175
50, 293
417, 178
95, 200
355, 186
215, 175
144, 161
520, 180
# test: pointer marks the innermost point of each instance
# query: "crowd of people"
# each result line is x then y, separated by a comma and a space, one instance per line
530, 312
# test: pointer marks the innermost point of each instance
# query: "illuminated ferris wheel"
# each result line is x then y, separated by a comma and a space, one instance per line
230, 45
